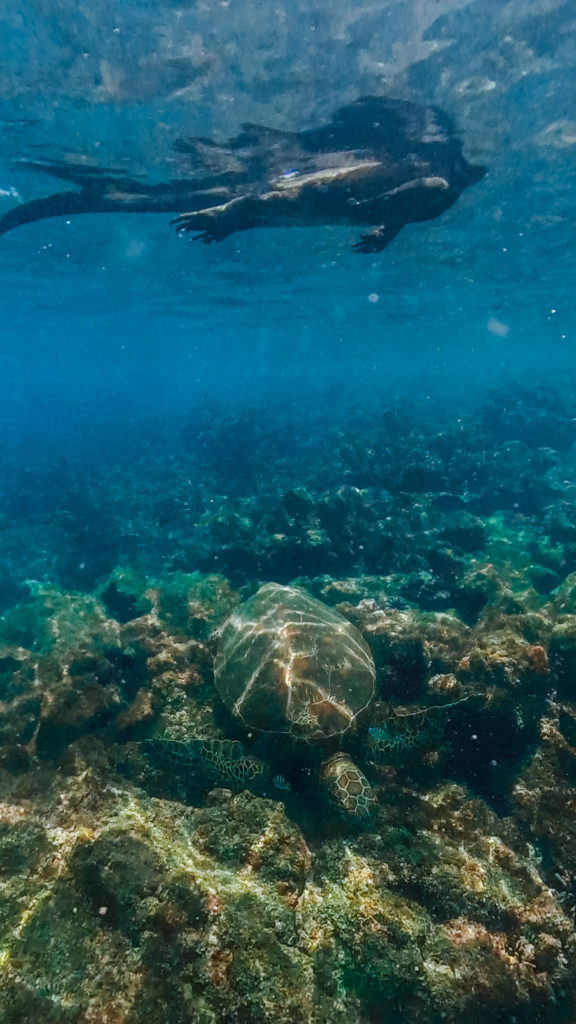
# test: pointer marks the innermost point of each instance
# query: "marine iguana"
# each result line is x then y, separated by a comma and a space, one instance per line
380, 163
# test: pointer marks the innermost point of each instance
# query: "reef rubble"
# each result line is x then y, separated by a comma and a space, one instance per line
133, 892
129, 894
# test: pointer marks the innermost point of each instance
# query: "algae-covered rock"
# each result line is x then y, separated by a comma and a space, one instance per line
545, 797
562, 652
135, 909
464, 531
442, 911
121, 901
59, 681
67, 669
194, 603
124, 595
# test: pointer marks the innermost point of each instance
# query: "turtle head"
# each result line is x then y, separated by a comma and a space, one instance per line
347, 787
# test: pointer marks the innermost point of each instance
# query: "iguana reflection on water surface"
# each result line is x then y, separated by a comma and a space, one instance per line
379, 163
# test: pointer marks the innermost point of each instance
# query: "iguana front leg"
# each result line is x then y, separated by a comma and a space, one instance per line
217, 222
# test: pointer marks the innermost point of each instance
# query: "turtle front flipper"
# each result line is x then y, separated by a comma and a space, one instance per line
402, 732
211, 762
379, 239
402, 729
348, 787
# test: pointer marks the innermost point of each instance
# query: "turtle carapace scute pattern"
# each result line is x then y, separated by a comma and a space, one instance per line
288, 663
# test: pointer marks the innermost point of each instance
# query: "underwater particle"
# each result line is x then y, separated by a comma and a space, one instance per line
497, 328
373, 297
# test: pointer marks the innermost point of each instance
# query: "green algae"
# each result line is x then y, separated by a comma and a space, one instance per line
266, 930
56, 621
124, 595
194, 602
119, 905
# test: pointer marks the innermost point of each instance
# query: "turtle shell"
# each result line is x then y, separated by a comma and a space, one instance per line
287, 663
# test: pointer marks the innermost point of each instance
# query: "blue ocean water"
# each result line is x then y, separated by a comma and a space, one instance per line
116, 332
109, 319
394, 432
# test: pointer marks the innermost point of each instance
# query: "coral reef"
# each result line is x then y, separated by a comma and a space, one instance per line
132, 891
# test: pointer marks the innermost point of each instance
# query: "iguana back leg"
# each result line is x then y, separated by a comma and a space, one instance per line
379, 239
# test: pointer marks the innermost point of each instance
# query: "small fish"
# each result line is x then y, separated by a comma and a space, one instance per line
281, 783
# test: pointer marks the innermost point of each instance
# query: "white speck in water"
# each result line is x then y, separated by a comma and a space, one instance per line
373, 297
497, 328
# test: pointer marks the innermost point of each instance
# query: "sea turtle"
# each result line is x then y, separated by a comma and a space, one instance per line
296, 674
292, 669
379, 162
